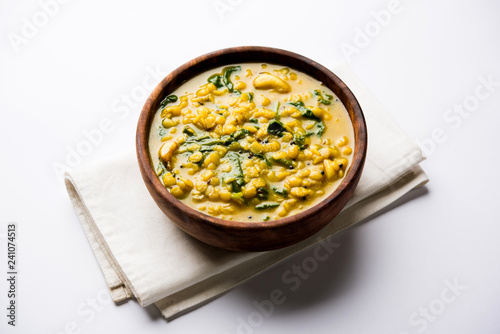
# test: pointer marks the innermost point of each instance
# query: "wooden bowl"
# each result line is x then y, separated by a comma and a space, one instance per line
251, 236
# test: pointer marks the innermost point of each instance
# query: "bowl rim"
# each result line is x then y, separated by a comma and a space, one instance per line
148, 111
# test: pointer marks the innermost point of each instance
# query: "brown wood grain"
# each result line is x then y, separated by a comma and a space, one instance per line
251, 236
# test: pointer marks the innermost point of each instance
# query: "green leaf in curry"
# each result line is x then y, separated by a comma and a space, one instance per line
277, 111
266, 206
263, 157
189, 131
216, 79
238, 198
224, 78
300, 139
282, 192
262, 193
236, 171
321, 127
206, 142
307, 113
226, 74
167, 100
287, 162
160, 170
320, 97
207, 148
275, 128
304, 111
233, 137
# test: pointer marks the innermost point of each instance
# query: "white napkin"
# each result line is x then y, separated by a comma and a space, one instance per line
144, 255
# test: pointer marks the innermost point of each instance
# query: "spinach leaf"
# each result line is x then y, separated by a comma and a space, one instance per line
275, 128
266, 218
207, 148
282, 192
224, 79
321, 99
216, 79
304, 111
254, 120
307, 113
267, 206
189, 131
288, 163
240, 134
277, 111
167, 100
238, 197
299, 139
321, 127
262, 193
236, 171
235, 187
263, 157
233, 137
160, 170
250, 97
203, 141
226, 74
207, 143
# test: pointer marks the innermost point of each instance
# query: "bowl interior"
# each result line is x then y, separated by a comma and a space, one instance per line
249, 54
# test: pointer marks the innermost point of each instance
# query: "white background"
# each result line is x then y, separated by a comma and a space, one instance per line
66, 76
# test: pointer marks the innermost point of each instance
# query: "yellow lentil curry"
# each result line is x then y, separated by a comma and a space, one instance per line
251, 142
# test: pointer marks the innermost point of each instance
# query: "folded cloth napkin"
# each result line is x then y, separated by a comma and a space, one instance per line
142, 254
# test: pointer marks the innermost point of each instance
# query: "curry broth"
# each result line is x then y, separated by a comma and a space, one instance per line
251, 142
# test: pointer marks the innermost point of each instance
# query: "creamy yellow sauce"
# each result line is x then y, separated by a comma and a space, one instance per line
251, 142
